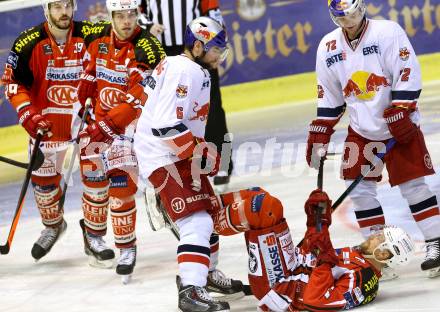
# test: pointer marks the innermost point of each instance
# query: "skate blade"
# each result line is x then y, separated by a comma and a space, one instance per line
388, 277
100, 264
434, 273
126, 279
230, 297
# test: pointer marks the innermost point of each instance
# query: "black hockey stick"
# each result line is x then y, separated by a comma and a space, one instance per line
4, 249
38, 161
390, 144
66, 179
321, 206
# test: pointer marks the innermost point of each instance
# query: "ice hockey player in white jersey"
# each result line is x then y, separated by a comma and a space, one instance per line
174, 158
369, 67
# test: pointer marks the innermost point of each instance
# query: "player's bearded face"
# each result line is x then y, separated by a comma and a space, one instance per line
214, 57
125, 23
61, 14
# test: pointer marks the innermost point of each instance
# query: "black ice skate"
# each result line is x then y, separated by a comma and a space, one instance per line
100, 256
48, 238
126, 263
196, 299
432, 258
223, 288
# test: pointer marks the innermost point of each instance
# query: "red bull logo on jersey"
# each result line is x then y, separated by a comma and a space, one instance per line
364, 85
201, 112
62, 95
404, 54
111, 97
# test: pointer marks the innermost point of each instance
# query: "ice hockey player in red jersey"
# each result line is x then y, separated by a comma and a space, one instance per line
313, 276
119, 59
41, 77
370, 68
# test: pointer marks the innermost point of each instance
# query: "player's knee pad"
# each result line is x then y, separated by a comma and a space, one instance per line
196, 228
415, 191
122, 185
271, 256
258, 211
47, 193
229, 198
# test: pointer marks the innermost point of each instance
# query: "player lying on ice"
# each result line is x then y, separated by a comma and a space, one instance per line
285, 277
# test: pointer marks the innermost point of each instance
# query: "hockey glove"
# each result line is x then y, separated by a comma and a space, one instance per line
320, 243
399, 123
320, 132
318, 200
87, 87
32, 121
97, 137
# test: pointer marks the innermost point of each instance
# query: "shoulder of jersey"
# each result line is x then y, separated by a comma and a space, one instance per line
386, 28
28, 39
184, 65
333, 35
148, 49
90, 32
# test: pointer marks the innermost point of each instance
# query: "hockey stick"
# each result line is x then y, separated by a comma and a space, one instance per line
4, 249
88, 104
390, 144
321, 206
14, 162
38, 161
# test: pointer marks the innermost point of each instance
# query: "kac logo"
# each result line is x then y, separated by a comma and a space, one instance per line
62, 95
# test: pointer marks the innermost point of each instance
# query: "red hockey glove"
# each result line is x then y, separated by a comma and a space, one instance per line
318, 200
97, 137
399, 123
87, 87
320, 132
320, 243
32, 121
208, 158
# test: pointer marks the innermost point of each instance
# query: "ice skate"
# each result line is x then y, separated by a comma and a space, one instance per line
126, 263
388, 274
223, 288
197, 299
431, 264
49, 236
100, 256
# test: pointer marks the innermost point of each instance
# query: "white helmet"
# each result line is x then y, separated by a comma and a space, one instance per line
45, 4
341, 8
121, 5
399, 243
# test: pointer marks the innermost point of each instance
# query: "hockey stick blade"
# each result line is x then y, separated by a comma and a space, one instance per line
4, 249
38, 161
